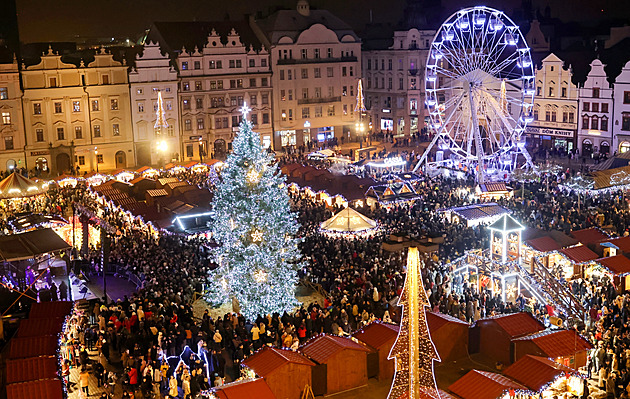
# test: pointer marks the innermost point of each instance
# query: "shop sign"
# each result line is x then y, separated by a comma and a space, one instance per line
38, 153
548, 131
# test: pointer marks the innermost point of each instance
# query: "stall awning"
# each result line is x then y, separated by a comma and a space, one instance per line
544, 244
618, 265
590, 235
579, 254
536, 372
30, 244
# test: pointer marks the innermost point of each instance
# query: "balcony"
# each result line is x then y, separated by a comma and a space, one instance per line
413, 72
319, 100
297, 61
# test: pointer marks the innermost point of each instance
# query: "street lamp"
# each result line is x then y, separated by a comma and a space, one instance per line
96, 156
162, 147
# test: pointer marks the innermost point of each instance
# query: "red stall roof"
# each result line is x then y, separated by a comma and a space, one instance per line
245, 389
590, 235
557, 343
618, 265
377, 333
50, 309
478, 384
579, 254
323, 347
33, 346
544, 244
437, 320
31, 369
516, 324
265, 361
42, 389
536, 372
38, 327
623, 243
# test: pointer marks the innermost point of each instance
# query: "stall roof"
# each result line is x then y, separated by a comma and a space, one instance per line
377, 333
477, 384
42, 326
618, 265
556, 343
33, 346
245, 389
623, 243
34, 368
479, 211
536, 372
31, 220
497, 187
30, 244
516, 324
544, 244
268, 359
590, 235
323, 347
49, 389
17, 186
348, 221
579, 254
50, 309
507, 223
436, 320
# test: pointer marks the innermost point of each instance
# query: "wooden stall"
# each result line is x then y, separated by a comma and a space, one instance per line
493, 336
546, 377
566, 347
286, 372
345, 361
449, 335
381, 337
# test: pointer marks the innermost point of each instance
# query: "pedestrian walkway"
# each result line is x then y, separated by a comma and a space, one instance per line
117, 287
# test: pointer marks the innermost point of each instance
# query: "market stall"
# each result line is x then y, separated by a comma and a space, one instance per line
349, 223
16, 186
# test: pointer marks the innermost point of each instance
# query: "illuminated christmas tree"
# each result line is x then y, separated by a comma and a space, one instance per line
258, 256
160, 121
413, 350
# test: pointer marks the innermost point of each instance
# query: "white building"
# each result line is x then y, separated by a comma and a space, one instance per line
621, 111
555, 107
393, 80
12, 139
153, 74
596, 106
77, 116
316, 63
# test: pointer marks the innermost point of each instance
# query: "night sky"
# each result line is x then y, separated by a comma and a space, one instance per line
64, 20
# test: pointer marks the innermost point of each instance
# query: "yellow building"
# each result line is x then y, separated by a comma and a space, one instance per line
77, 116
11, 126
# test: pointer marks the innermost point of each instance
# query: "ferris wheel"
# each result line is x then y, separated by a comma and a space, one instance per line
479, 84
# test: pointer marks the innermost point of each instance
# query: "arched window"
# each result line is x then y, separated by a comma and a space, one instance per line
594, 122
585, 121
604, 124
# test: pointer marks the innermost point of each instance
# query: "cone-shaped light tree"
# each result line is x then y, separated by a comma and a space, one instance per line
258, 253
413, 350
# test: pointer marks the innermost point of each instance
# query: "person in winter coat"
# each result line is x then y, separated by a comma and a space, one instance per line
133, 378
111, 382
172, 387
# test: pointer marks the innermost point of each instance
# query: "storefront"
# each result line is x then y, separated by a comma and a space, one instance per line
549, 138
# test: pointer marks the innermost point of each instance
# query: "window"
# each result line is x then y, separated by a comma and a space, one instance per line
252, 82
140, 91
389, 64
304, 54
76, 106
552, 68
369, 83
283, 96
564, 92
141, 107
538, 91
305, 92
8, 142
265, 119
389, 83
105, 79
253, 99
626, 97
318, 92
212, 64
344, 71
586, 106
565, 117
168, 90
236, 120
252, 63
369, 64
329, 52
233, 101
304, 73
219, 64
53, 82
169, 105
290, 114
95, 106
345, 109
186, 104
329, 72
605, 108
97, 130
232, 63
551, 92
289, 74
239, 64
37, 108
595, 92
39, 135
547, 115
240, 100
585, 122
265, 98
263, 62
184, 65
58, 108
239, 83
99, 158
233, 84
60, 134
604, 124
283, 115
535, 114
187, 124
318, 112
306, 113
401, 84
4, 93
116, 129
290, 95
81, 160
344, 91
264, 82
189, 150
200, 124
185, 86
571, 117
282, 74
331, 91
595, 123
316, 53
198, 86
78, 132
6, 118
197, 65
114, 104
317, 72
331, 110
595, 107
553, 116
199, 103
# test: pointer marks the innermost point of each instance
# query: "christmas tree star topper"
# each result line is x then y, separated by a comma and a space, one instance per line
245, 110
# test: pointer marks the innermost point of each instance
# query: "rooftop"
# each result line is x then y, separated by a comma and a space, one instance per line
377, 333
515, 324
324, 347
265, 361
478, 384
557, 343
536, 372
